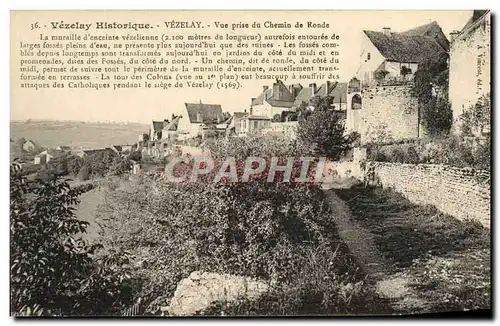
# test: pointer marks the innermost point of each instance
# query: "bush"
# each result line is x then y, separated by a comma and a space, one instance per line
135, 156
266, 230
99, 163
52, 269
84, 173
322, 133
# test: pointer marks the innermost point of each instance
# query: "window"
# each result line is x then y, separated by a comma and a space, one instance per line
256, 125
356, 102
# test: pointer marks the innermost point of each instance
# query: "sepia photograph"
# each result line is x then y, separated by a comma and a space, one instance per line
250, 163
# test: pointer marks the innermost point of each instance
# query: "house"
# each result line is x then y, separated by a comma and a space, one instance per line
29, 146
253, 124
89, 152
122, 149
44, 157
234, 123
470, 52
63, 148
199, 115
165, 129
338, 91
39, 159
274, 100
389, 57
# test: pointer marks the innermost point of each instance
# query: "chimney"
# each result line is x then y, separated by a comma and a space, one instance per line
276, 90
328, 86
264, 89
453, 35
386, 31
313, 89
252, 100
173, 116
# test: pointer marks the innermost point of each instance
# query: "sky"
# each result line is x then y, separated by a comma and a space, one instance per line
146, 105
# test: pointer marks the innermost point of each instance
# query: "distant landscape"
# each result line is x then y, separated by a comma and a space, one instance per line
76, 134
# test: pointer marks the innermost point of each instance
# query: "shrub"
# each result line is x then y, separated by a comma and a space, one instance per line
98, 163
135, 156
398, 155
84, 173
322, 133
258, 229
431, 76
477, 118
120, 166
52, 270
412, 156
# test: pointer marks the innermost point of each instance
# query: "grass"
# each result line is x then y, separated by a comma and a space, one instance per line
318, 277
449, 259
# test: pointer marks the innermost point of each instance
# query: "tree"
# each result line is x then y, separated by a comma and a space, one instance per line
380, 75
276, 118
435, 111
52, 270
323, 132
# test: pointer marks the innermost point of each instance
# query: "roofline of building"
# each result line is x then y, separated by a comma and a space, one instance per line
471, 26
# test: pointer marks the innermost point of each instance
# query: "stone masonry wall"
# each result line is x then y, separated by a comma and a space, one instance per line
469, 67
390, 107
461, 192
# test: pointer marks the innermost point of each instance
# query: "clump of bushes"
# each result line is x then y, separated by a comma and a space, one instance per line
279, 232
52, 270
452, 150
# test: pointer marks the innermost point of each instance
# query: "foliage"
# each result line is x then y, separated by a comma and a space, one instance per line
406, 231
451, 150
432, 76
279, 232
98, 163
120, 166
322, 133
135, 156
84, 173
52, 270
477, 118
405, 71
379, 75
277, 118
448, 259
65, 164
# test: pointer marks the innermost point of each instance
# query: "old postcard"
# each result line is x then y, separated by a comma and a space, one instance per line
250, 163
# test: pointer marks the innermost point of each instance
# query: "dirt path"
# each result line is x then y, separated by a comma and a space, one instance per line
362, 245
359, 240
86, 211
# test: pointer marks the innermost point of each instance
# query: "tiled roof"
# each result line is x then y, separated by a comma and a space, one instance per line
337, 90
256, 117
204, 112
172, 125
476, 15
414, 45
403, 48
157, 125
278, 95
431, 30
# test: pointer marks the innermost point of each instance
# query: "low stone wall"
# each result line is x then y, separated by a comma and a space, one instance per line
461, 192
